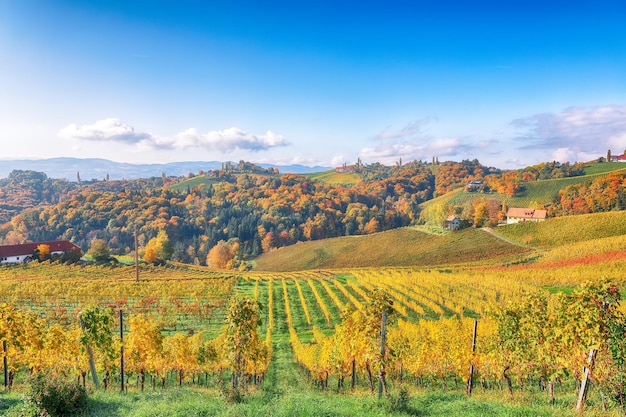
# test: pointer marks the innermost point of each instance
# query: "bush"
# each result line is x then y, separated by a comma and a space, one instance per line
50, 396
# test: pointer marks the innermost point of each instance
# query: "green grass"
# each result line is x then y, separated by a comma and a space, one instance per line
592, 168
285, 393
567, 230
332, 177
398, 247
191, 183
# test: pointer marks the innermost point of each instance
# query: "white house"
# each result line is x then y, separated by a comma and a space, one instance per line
24, 252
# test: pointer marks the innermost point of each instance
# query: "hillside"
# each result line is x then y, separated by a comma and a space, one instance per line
333, 177
531, 193
566, 230
399, 247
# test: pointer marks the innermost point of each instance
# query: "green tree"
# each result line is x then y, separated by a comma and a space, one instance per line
99, 251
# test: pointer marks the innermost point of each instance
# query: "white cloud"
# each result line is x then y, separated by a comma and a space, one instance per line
337, 160
576, 133
390, 151
226, 140
105, 130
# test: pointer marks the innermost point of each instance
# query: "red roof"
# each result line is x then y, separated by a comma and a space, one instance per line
526, 213
29, 248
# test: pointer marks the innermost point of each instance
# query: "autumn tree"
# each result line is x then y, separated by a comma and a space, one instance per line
42, 252
243, 340
159, 249
220, 255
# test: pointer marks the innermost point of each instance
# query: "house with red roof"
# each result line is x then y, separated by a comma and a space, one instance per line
519, 215
24, 252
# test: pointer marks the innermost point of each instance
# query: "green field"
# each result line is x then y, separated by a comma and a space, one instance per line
560, 231
191, 183
332, 177
398, 247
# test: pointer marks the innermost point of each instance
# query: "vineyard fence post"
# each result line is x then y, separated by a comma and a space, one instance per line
122, 377
584, 384
6, 364
383, 342
470, 379
92, 364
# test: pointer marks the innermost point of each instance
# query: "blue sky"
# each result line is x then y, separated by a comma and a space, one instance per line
511, 83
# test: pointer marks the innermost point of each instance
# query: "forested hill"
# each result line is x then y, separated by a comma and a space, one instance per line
260, 211
251, 211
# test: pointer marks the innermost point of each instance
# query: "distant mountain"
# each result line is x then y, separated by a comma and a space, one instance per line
95, 168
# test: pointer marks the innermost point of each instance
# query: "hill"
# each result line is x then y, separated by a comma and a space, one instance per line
333, 177
398, 247
531, 193
90, 168
566, 230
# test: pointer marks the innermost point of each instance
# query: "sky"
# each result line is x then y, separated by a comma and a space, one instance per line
315, 82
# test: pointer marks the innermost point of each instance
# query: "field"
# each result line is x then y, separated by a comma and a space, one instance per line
560, 231
191, 183
332, 177
399, 247
311, 311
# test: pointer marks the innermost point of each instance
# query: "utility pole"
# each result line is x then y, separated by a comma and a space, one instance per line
136, 257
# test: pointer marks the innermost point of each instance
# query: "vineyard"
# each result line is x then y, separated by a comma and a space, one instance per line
181, 326
399, 247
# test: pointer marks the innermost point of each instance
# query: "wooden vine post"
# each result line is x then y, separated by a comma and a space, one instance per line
6, 364
92, 364
584, 384
470, 379
122, 382
383, 342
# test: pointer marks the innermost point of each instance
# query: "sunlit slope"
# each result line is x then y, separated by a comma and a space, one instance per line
566, 230
532, 193
399, 247
333, 177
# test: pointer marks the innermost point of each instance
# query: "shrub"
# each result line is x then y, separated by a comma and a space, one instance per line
53, 396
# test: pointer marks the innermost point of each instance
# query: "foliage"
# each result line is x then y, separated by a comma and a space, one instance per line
248, 355
54, 396
99, 251
159, 249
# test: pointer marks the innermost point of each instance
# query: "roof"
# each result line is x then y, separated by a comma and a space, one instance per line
29, 248
526, 213
451, 218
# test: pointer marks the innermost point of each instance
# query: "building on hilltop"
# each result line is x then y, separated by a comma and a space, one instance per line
24, 252
344, 169
520, 215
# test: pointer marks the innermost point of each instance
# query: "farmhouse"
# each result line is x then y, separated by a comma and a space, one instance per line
618, 158
454, 223
517, 215
474, 185
344, 169
24, 252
